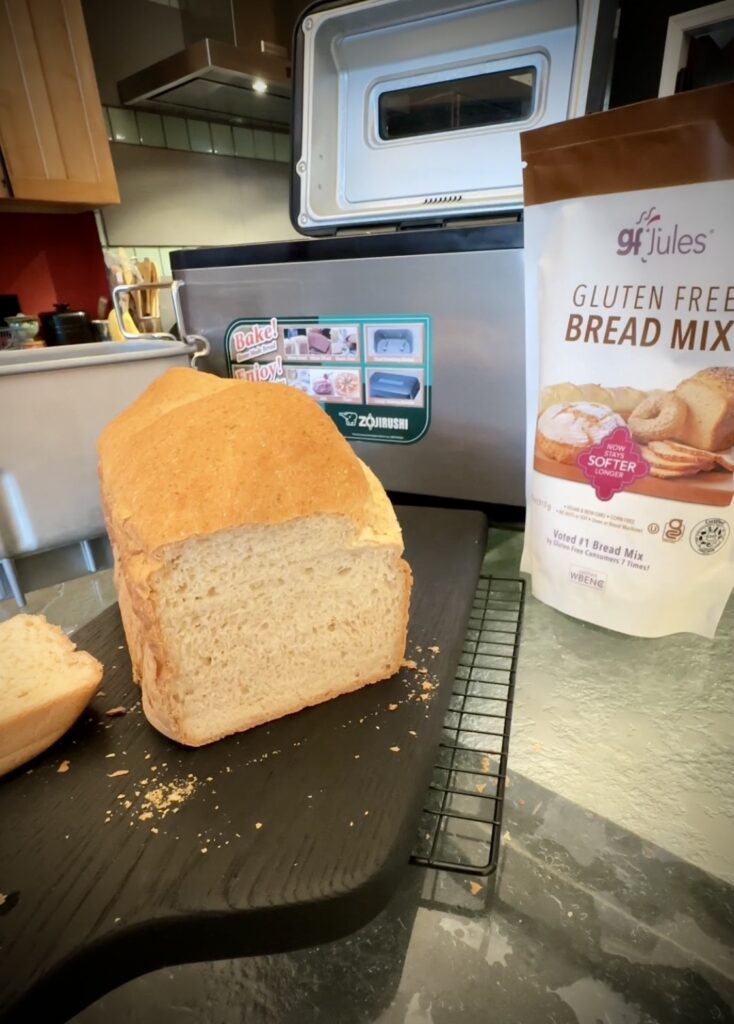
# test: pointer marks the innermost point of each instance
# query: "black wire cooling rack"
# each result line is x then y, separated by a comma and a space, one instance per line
461, 824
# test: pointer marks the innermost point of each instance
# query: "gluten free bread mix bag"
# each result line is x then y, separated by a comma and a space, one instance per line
629, 246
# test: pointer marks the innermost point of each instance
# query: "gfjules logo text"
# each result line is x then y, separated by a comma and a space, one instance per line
650, 237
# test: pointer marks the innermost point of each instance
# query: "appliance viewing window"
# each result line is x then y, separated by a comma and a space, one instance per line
478, 101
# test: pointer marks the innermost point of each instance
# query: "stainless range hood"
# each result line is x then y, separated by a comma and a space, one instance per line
249, 85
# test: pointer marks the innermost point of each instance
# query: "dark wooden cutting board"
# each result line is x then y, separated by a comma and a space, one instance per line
285, 836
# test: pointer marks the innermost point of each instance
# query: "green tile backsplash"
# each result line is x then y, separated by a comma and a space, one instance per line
264, 145
144, 128
124, 125
222, 140
200, 135
282, 147
244, 144
176, 133
150, 127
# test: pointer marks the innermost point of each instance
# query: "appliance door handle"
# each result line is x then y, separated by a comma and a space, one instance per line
125, 289
202, 344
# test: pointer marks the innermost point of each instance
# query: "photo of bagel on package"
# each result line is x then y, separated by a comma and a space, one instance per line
681, 433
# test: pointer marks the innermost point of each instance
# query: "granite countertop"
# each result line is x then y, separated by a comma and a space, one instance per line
613, 902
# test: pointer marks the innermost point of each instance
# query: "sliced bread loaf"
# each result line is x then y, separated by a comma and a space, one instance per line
709, 396
45, 684
258, 561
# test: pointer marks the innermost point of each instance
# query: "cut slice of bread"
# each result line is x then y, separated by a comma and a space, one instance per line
670, 468
45, 684
674, 452
258, 561
672, 474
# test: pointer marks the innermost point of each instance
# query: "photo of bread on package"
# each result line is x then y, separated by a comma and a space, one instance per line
678, 434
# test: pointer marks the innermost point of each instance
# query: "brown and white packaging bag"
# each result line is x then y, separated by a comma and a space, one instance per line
629, 254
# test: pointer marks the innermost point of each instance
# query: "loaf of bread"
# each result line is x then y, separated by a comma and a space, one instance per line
45, 684
566, 430
621, 400
258, 561
709, 396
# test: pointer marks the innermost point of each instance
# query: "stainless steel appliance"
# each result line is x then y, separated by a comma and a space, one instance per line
406, 125
55, 401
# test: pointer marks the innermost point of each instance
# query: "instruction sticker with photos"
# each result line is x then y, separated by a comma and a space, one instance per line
372, 375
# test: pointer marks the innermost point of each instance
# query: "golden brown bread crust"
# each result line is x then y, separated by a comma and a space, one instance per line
557, 450
715, 382
176, 387
720, 378
222, 435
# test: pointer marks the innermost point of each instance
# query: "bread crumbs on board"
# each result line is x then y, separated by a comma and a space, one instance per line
409, 663
475, 887
155, 802
395, 750
63, 767
118, 773
116, 712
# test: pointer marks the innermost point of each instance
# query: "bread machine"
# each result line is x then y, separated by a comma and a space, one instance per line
402, 311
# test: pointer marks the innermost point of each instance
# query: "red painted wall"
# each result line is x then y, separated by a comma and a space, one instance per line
50, 257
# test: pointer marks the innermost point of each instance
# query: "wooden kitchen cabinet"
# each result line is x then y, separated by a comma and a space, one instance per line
53, 138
